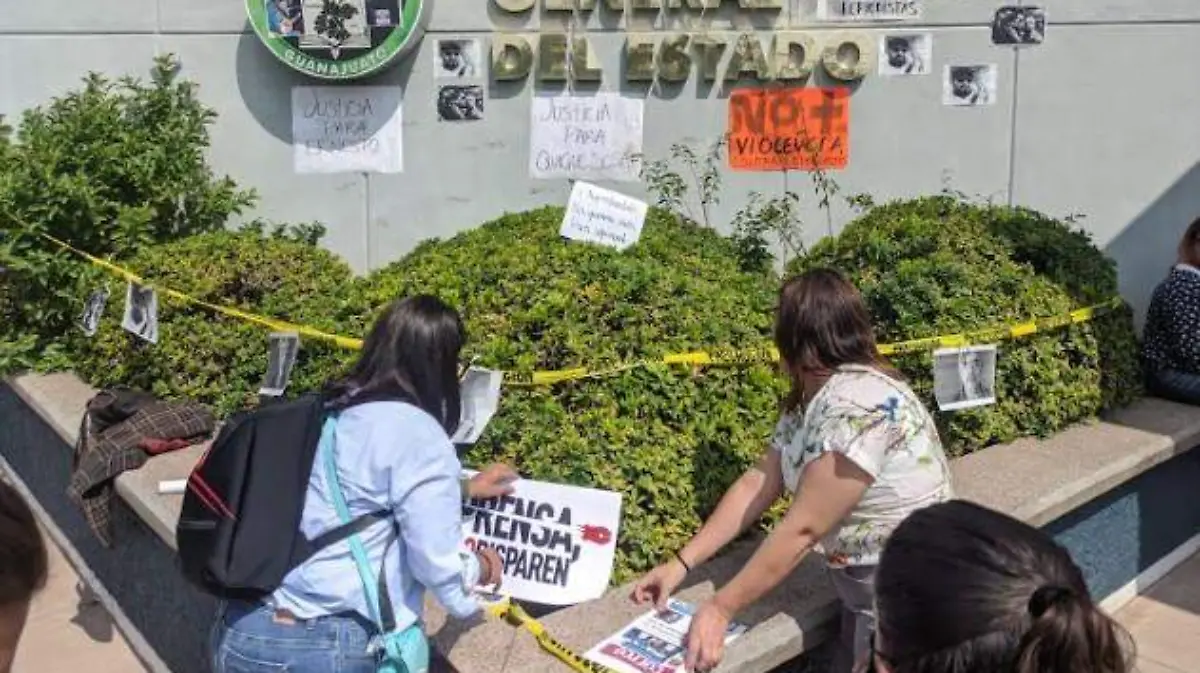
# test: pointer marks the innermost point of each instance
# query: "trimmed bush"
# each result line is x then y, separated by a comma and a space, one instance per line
111, 167
669, 441
211, 358
941, 266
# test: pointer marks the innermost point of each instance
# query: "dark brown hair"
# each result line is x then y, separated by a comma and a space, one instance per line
822, 323
1189, 245
411, 351
22, 549
961, 589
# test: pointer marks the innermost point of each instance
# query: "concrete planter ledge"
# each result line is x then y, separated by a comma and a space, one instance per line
1037, 481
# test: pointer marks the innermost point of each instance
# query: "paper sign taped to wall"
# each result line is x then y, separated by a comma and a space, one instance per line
869, 10
347, 129
596, 137
557, 542
798, 128
599, 215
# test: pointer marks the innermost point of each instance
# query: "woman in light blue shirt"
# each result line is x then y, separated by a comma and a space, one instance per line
389, 454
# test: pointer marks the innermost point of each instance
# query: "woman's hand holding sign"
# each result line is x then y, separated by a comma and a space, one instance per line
492, 482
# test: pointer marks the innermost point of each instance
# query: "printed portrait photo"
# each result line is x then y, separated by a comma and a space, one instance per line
460, 103
93, 310
1019, 26
281, 358
969, 85
905, 54
285, 18
141, 312
964, 377
383, 13
458, 59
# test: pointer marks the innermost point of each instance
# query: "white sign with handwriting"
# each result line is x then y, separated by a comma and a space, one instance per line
347, 129
599, 215
596, 137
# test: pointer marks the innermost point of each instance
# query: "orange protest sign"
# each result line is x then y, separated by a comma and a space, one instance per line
798, 128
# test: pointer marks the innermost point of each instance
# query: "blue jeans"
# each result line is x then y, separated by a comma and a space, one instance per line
247, 638
1175, 385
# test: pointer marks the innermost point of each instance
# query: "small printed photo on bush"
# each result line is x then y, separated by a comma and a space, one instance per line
141, 312
964, 378
281, 357
93, 310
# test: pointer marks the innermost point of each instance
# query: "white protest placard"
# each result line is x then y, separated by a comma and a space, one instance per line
869, 10
595, 137
557, 542
599, 215
652, 643
347, 129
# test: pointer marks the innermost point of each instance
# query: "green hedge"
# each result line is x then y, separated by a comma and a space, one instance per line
671, 442
941, 266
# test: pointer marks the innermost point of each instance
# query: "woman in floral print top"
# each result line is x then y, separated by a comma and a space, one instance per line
1172, 340
856, 449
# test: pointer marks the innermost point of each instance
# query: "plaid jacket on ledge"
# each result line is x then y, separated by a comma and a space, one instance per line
118, 429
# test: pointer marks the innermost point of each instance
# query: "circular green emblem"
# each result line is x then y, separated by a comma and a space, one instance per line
338, 39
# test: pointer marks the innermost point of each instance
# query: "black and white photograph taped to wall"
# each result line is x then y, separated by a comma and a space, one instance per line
281, 357
1019, 26
141, 312
458, 59
964, 377
458, 103
909, 54
969, 85
93, 310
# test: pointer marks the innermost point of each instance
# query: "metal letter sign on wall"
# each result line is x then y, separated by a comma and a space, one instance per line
338, 39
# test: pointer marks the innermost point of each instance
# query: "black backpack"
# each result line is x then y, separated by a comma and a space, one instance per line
239, 530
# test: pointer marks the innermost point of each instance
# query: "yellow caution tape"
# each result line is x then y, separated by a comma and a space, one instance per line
514, 615
694, 359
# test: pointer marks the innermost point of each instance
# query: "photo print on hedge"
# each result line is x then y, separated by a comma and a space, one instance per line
480, 392
458, 58
969, 85
93, 309
964, 377
141, 312
281, 357
1019, 26
457, 103
909, 54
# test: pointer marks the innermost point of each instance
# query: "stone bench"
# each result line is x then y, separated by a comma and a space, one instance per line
1049, 483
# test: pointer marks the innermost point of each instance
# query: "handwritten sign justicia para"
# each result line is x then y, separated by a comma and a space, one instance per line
347, 129
599, 215
595, 137
557, 542
797, 128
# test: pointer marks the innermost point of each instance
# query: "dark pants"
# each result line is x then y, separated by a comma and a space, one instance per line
1175, 385
855, 586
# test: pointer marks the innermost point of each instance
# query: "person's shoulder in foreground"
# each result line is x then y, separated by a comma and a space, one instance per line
22, 569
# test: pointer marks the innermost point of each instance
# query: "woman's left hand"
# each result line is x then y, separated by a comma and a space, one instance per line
706, 638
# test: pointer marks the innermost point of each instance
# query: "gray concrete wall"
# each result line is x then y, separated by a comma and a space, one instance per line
1099, 121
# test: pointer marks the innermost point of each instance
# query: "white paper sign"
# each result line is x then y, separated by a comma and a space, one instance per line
869, 10
652, 643
586, 138
557, 542
480, 400
599, 215
347, 129
964, 377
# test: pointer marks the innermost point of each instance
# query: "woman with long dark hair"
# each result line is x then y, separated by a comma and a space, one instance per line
389, 450
962, 589
855, 447
1172, 339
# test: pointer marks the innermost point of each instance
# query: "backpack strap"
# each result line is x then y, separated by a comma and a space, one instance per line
375, 589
